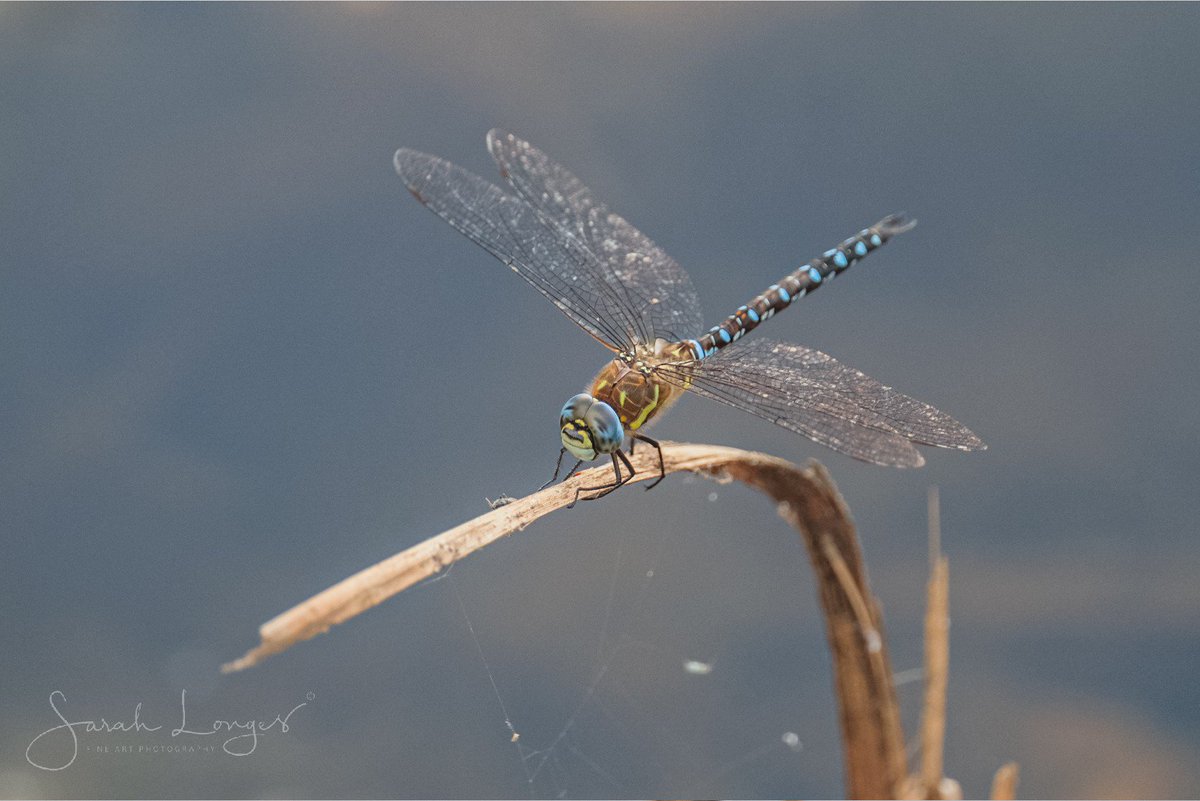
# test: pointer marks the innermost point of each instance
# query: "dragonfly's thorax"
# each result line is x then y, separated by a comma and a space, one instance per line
629, 385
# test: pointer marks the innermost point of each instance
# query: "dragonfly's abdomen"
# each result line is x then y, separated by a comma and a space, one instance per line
799, 283
635, 395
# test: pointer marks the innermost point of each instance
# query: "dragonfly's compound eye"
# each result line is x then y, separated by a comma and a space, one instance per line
606, 427
589, 427
575, 408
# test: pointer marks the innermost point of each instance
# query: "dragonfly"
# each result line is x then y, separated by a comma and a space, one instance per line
616, 284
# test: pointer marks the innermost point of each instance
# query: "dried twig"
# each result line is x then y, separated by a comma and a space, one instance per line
937, 668
887, 725
1004, 785
870, 718
937, 658
929, 782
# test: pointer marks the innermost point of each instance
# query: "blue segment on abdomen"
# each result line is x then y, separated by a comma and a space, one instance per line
803, 281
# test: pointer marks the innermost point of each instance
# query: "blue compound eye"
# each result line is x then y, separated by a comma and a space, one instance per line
607, 431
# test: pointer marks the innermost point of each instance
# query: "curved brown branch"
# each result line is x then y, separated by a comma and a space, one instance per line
806, 497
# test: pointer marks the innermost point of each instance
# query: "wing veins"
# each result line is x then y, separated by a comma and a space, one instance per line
536, 247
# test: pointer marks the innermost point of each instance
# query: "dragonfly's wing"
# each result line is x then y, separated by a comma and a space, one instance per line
665, 291
537, 248
809, 392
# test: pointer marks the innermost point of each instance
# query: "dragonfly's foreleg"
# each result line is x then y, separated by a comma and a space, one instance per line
605, 489
662, 467
558, 467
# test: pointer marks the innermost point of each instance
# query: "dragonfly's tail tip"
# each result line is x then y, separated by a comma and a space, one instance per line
897, 223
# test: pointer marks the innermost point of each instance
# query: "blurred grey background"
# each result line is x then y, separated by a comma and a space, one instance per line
239, 363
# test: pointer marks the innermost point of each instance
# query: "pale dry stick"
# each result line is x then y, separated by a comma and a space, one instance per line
806, 498
937, 668
929, 782
937, 657
1004, 784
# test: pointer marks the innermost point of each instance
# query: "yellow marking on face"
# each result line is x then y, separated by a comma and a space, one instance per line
578, 431
641, 418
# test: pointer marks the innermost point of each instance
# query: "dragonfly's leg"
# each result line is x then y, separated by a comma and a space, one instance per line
570, 473
605, 489
621, 480
662, 467
610, 487
558, 467
628, 466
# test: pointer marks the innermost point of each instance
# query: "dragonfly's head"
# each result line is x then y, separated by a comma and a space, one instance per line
590, 427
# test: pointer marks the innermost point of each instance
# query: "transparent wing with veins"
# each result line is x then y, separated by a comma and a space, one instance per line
811, 393
553, 259
661, 287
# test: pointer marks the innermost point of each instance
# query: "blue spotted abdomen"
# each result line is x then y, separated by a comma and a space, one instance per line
799, 283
